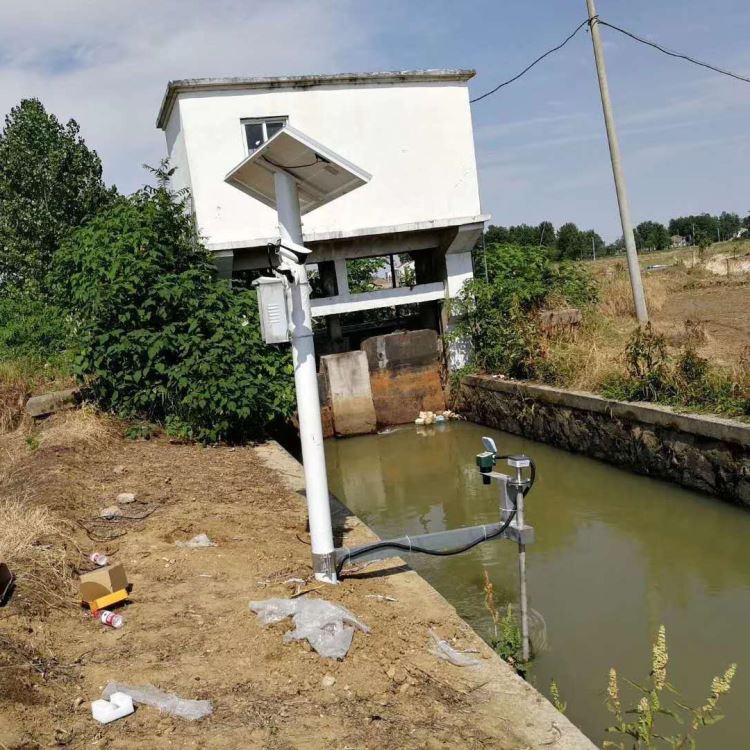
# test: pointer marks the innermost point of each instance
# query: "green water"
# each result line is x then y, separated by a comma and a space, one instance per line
616, 555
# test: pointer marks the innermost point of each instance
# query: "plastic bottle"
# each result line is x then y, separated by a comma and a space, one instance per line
111, 618
98, 559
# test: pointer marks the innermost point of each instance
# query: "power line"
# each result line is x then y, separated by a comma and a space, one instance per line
630, 34
529, 67
672, 53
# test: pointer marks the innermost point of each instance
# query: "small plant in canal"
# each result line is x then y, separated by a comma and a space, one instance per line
506, 637
642, 729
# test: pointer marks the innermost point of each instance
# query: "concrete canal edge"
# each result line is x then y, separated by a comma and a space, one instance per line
700, 452
507, 707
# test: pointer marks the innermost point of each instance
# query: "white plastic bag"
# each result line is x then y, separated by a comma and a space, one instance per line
318, 621
443, 650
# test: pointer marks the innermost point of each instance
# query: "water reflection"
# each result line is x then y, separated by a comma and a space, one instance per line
616, 554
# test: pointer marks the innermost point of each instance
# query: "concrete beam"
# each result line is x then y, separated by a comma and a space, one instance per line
345, 303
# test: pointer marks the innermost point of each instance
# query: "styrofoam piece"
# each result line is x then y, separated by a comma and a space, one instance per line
318, 621
170, 703
118, 705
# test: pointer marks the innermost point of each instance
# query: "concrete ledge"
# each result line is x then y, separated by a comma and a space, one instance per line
710, 454
715, 428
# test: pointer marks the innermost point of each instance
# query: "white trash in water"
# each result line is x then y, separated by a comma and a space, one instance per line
319, 621
118, 705
443, 650
166, 702
197, 542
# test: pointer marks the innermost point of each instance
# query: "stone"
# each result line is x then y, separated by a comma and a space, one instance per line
118, 470
397, 674
49, 403
124, 498
328, 681
111, 512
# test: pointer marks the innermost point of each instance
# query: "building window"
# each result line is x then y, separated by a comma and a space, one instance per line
257, 132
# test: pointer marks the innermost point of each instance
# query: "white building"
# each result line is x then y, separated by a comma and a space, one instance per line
410, 130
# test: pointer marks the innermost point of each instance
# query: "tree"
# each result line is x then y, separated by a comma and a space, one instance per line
651, 235
50, 183
569, 245
159, 337
729, 225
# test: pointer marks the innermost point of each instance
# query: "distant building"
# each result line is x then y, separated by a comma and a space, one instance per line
739, 234
679, 241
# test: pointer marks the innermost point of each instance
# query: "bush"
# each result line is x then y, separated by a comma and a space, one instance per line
685, 380
31, 328
159, 337
497, 314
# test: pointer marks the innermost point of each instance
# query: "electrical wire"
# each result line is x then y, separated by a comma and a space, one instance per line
529, 67
318, 160
672, 53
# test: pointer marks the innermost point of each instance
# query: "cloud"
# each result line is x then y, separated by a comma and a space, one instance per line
107, 63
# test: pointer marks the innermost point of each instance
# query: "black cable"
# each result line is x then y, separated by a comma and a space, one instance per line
424, 550
318, 160
529, 67
444, 552
672, 53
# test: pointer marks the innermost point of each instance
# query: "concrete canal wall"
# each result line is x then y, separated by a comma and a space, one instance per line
699, 452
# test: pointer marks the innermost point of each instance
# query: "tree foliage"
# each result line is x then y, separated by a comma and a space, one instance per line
498, 314
159, 337
50, 183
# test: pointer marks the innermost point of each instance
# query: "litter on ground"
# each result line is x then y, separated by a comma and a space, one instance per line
318, 621
197, 542
118, 705
443, 650
169, 703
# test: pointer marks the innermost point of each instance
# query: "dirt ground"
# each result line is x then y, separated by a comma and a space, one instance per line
188, 628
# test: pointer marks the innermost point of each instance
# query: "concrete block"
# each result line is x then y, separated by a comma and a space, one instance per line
49, 403
401, 349
348, 385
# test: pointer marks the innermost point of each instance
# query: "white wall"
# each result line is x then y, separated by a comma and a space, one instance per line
414, 138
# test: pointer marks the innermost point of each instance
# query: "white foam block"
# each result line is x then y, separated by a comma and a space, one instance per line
118, 705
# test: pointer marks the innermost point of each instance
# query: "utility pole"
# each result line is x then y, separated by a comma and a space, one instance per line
636, 283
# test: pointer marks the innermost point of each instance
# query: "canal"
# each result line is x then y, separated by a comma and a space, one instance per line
616, 555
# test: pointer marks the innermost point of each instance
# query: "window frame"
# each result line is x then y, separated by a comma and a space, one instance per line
263, 121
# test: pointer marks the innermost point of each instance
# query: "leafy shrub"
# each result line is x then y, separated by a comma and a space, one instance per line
497, 314
159, 337
30, 327
685, 380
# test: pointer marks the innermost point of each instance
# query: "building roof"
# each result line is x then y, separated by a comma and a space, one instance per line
174, 88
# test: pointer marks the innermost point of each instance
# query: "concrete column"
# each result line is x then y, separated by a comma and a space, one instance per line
224, 260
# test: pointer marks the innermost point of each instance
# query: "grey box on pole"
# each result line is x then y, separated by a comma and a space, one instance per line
274, 319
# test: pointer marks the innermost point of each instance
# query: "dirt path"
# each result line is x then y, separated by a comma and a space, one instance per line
188, 628
724, 312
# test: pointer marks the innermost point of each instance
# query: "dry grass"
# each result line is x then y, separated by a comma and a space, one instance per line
617, 298
79, 428
37, 549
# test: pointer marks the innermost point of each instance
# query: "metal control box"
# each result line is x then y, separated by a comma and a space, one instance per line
274, 319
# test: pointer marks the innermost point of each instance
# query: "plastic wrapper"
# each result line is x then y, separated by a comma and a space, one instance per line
327, 627
168, 703
443, 650
198, 541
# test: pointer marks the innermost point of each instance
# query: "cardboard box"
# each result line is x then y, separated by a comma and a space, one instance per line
102, 582
6, 581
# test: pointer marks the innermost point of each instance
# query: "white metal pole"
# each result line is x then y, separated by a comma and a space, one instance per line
523, 595
636, 283
306, 384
